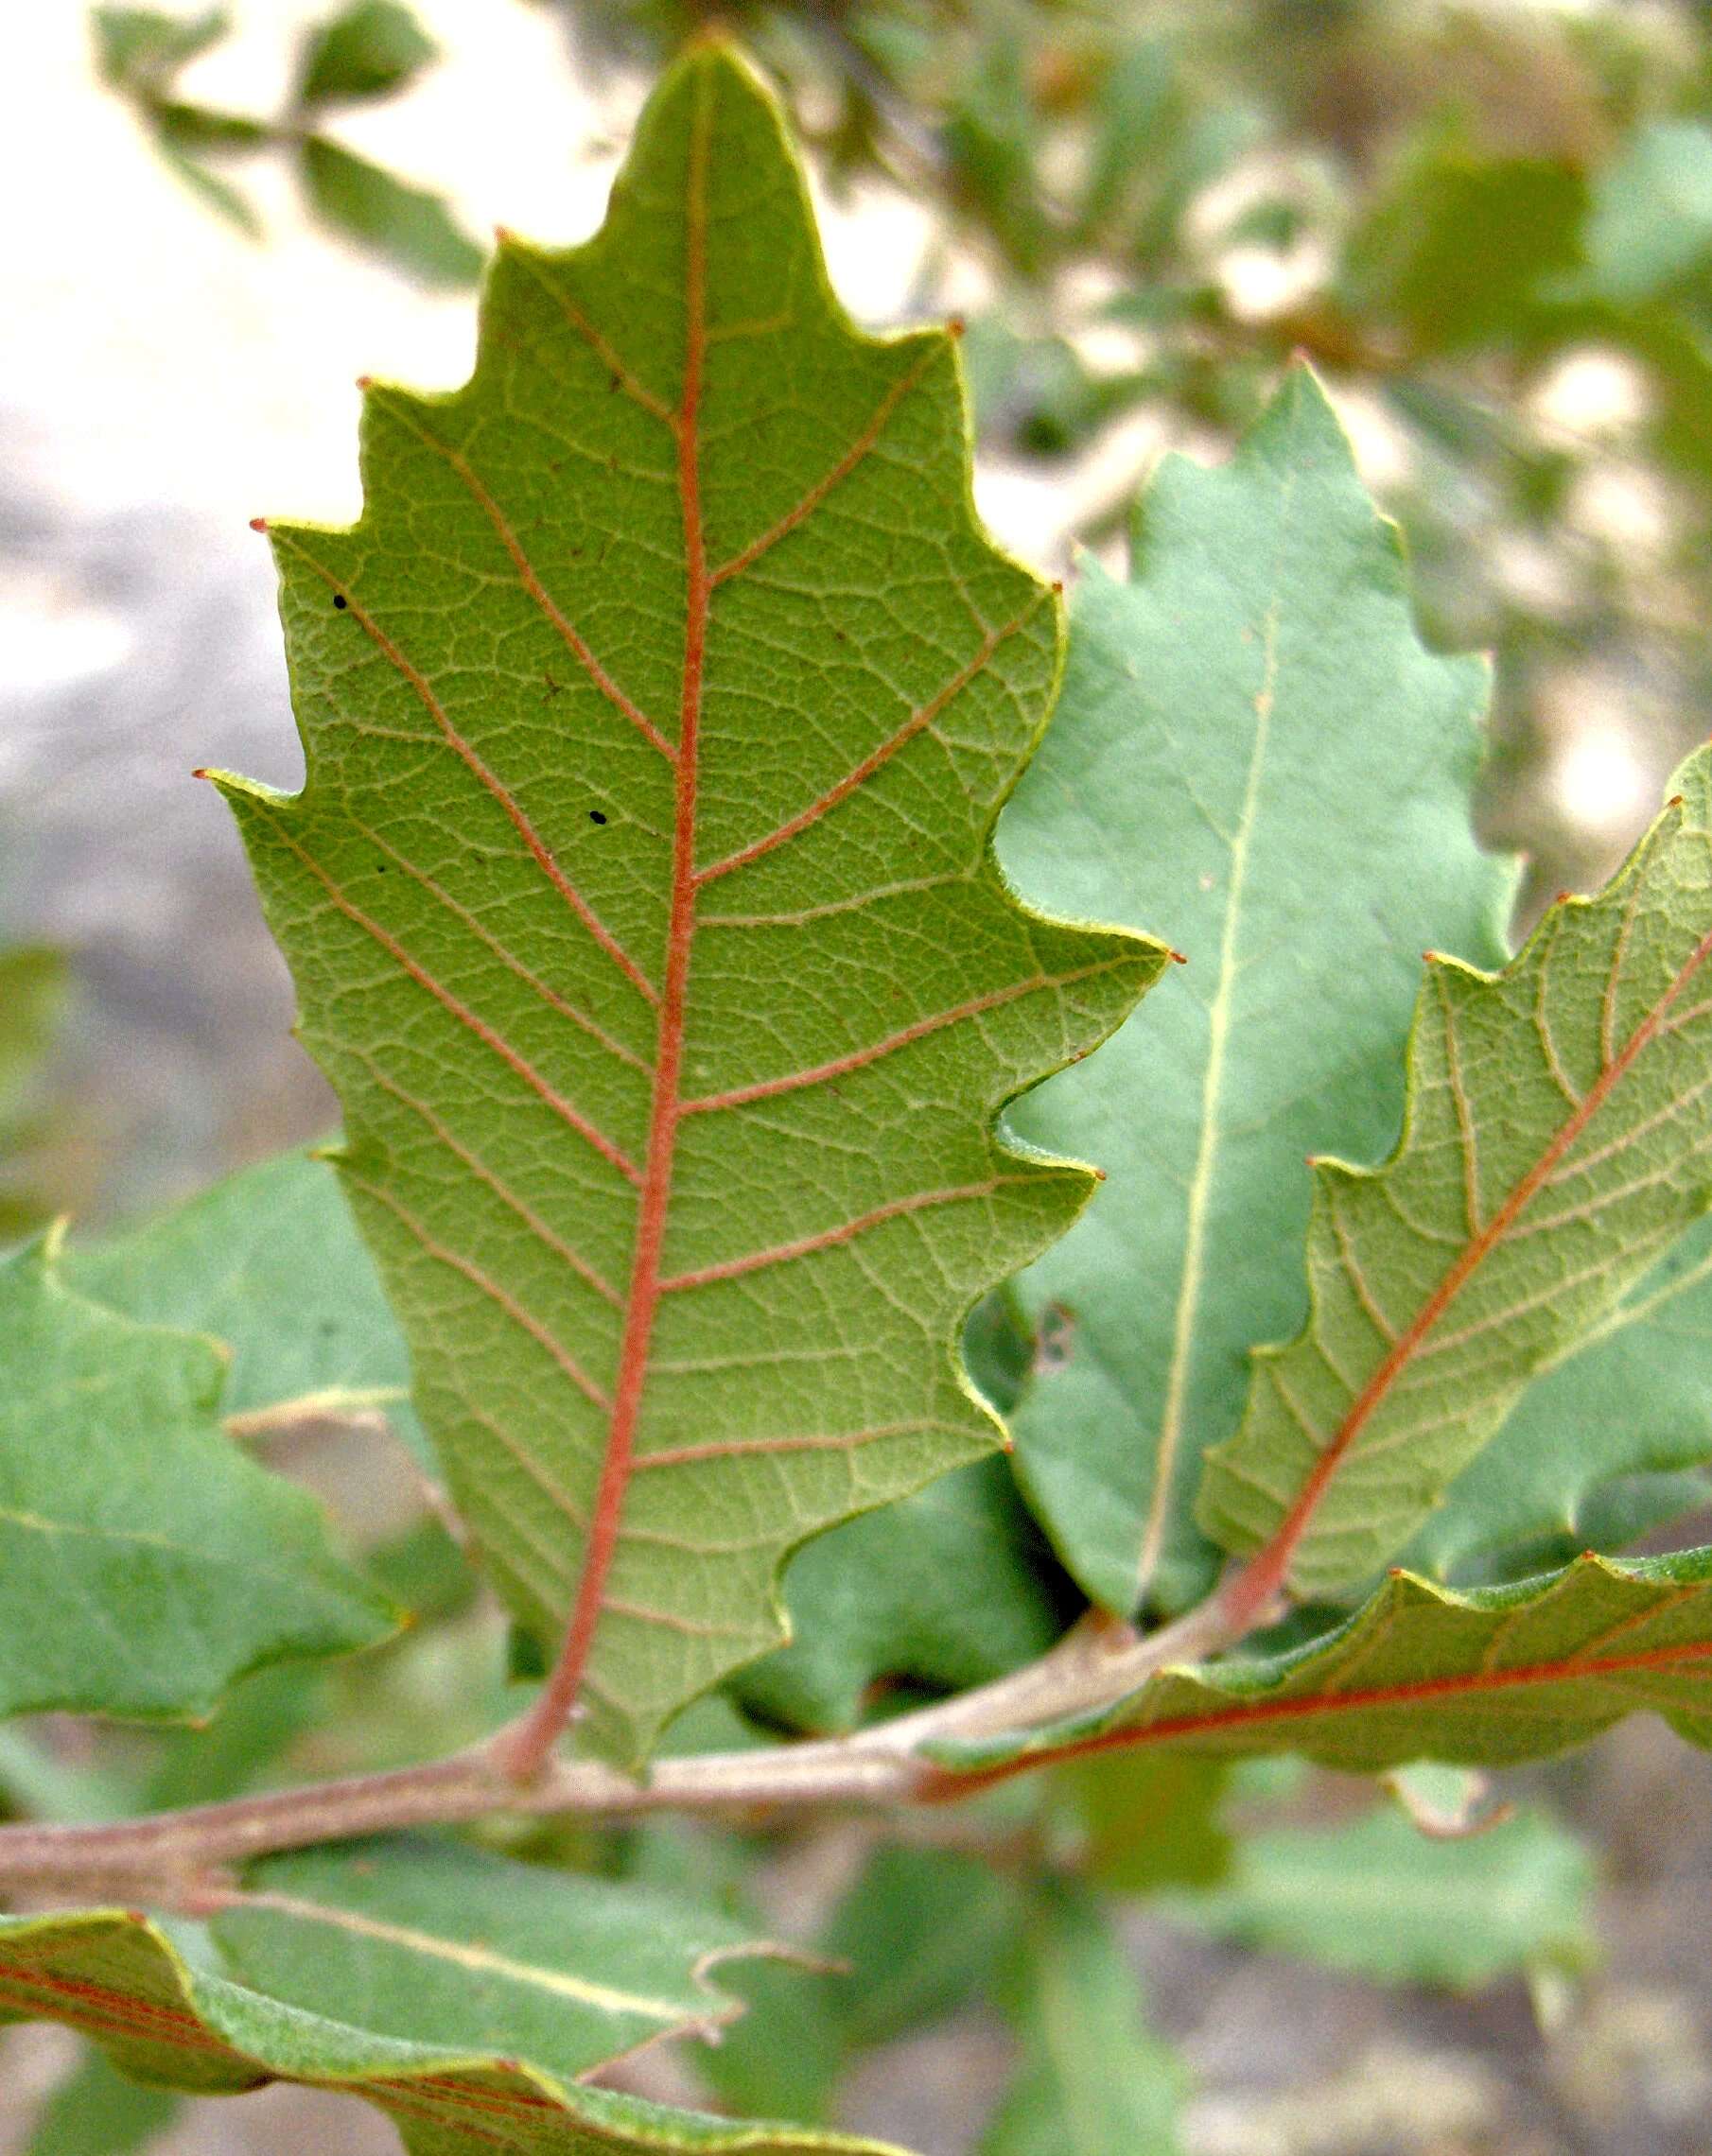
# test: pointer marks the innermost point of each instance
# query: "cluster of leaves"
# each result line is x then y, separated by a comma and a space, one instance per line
661, 902
370, 49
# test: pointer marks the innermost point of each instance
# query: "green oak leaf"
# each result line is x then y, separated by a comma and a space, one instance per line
1379, 1899
1251, 745
643, 912
1094, 2079
1484, 1678
1558, 1139
435, 1942
409, 227
268, 1261
1608, 1442
366, 50
140, 49
118, 1978
145, 1562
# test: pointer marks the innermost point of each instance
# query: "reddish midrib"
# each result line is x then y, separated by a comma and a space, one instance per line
560, 1696
1260, 1580
1427, 1689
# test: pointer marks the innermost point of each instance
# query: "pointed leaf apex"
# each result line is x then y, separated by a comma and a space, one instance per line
258, 524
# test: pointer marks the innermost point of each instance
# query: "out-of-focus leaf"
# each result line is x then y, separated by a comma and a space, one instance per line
33, 983
783, 2056
268, 1261
97, 2111
366, 50
138, 48
258, 1722
1380, 1899
410, 227
116, 1977
1411, 261
1558, 1141
145, 1562
922, 1931
948, 1589
1250, 744
1151, 1819
1611, 1440
214, 192
991, 141
1093, 2078
193, 129
1650, 222
1486, 1677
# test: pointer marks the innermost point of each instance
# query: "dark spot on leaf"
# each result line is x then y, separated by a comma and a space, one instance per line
597, 816
341, 601
1052, 1341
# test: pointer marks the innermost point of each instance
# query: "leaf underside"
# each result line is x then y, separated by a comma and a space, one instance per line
641, 909
114, 1977
145, 1562
1559, 1138
1489, 1677
1250, 738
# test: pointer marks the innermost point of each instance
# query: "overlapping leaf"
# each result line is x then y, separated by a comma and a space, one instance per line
1559, 1137
1482, 1678
267, 1261
1604, 1446
145, 1562
1094, 2079
118, 1978
657, 714
1251, 745
1378, 1898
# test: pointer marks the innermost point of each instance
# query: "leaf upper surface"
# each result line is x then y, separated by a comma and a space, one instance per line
145, 1562
1251, 745
1559, 1138
641, 908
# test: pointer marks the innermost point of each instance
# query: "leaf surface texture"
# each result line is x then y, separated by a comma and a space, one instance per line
641, 909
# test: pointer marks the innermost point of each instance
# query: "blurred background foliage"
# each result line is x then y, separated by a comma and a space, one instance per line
1490, 226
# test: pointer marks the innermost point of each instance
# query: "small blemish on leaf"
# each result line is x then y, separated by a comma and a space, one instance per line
341, 601
1052, 1341
596, 815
